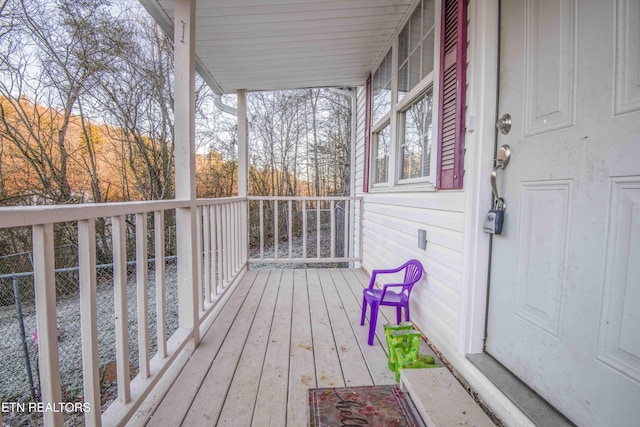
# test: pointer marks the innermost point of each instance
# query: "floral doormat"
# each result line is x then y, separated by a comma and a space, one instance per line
380, 405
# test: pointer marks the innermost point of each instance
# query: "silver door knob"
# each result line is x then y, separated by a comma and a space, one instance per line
504, 123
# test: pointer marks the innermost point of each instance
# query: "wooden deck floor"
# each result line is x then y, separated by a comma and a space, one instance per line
280, 333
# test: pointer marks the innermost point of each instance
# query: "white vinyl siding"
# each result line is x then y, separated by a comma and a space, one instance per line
391, 220
391, 224
390, 237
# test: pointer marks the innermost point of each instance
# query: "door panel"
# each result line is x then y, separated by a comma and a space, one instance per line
564, 299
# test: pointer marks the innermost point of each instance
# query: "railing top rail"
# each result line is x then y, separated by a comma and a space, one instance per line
301, 198
24, 216
219, 201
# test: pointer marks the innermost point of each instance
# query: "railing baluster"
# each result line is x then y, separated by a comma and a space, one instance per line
228, 256
142, 297
345, 222
206, 237
121, 312
213, 257
225, 245
290, 229
245, 227
318, 228
240, 233
304, 229
220, 255
333, 228
276, 236
89, 319
361, 229
161, 303
45, 288
261, 229
236, 239
199, 255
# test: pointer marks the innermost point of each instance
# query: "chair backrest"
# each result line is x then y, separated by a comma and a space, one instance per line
413, 271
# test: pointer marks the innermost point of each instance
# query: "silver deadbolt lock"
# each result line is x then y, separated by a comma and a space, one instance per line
504, 123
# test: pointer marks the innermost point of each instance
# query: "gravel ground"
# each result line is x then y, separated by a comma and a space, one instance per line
14, 386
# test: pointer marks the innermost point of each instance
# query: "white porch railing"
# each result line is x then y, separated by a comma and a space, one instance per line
301, 230
280, 230
222, 243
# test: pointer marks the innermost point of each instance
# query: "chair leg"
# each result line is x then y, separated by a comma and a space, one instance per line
406, 312
398, 314
372, 322
364, 310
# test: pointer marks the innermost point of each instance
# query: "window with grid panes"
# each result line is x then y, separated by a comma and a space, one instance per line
381, 135
416, 49
408, 150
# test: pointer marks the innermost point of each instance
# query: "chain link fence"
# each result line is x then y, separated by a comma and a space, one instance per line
19, 376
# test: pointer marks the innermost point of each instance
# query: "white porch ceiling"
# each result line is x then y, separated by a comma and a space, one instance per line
287, 44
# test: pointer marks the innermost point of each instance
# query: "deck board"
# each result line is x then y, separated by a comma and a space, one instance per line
281, 333
211, 396
302, 375
375, 359
244, 387
271, 403
176, 403
354, 368
328, 369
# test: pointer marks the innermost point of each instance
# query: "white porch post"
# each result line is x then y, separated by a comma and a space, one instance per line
185, 169
243, 169
243, 145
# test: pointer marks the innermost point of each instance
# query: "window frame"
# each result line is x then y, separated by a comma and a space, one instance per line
395, 182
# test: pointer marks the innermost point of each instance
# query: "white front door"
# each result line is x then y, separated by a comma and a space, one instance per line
564, 305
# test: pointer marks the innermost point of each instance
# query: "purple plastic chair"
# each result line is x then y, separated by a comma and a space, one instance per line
399, 297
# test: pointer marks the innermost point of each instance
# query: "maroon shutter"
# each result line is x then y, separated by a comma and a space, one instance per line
367, 136
453, 60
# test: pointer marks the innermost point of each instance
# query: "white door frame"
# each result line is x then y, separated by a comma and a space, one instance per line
483, 53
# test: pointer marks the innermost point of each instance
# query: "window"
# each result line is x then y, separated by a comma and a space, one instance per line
415, 71
381, 143
382, 89
415, 141
407, 146
416, 48
381, 135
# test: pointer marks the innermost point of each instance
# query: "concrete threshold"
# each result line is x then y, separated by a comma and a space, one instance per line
538, 410
441, 400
